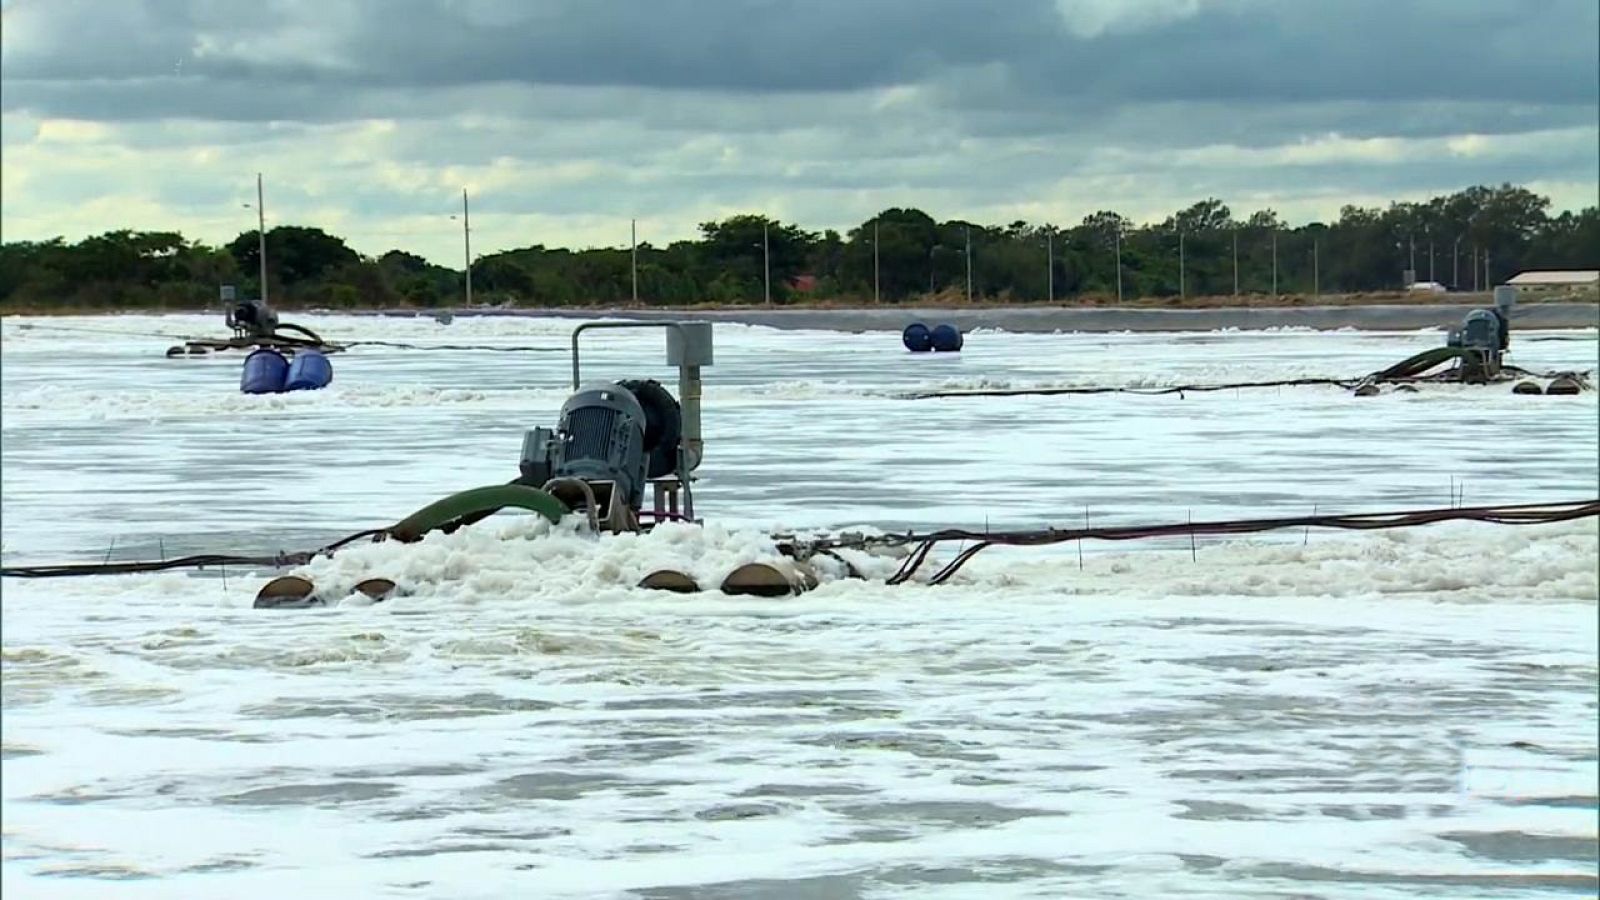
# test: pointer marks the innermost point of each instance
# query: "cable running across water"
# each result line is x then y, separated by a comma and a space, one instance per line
288, 340
399, 345
1521, 514
924, 543
1347, 383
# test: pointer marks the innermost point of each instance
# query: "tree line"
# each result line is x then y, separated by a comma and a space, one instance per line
1466, 240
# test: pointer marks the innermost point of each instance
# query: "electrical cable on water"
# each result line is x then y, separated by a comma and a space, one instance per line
1347, 383
278, 560
312, 340
923, 543
399, 345
1519, 514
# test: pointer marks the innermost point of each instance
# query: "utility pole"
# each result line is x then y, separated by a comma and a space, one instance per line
1119, 261
1274, 262
466, 241
1488, 279
633, 263
1236, 261
1430, 262
1412, 240
876, 296
766, 265
261, 233
1455, 264
969, 263
1050, 264
1316, 274
1474, 268
1182, 287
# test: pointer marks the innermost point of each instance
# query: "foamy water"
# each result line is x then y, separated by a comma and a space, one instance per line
1312, 714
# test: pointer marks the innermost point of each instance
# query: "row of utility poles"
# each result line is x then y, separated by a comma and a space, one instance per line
1455, 263
1050, 263
766, 262
466, 238
1050, 257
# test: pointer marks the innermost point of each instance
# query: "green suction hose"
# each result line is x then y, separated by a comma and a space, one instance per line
473, 505
1422, 362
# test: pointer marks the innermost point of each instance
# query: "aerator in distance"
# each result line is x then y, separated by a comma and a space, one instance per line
1477, 350
255, 324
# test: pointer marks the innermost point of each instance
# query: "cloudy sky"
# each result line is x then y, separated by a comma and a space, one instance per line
566, 118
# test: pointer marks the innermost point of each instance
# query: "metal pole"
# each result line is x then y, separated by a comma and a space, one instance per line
261, 232
766, 266
633, 242
1236, 262
1274, 263
1413, 242
876, 296
1430, 263
1474, 268
1455, 264
968, 229
1182, 288
1119, 262
466, 240
1488, 279
1050, 263
1316, 274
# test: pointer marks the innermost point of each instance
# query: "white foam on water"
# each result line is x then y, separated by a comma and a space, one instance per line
1329, 714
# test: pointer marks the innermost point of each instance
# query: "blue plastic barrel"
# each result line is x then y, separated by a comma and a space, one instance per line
917, 338
947, 339
264, 372
309, 371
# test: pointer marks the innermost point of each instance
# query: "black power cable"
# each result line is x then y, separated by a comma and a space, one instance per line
1519, 514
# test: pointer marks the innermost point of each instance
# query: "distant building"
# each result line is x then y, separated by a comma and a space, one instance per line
1570, 278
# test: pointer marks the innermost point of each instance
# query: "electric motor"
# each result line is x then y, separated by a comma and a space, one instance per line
253, 317
1480, 330
600, 437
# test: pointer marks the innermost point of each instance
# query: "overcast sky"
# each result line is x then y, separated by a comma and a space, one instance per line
566, 118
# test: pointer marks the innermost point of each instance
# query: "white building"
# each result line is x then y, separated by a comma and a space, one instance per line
1572, 278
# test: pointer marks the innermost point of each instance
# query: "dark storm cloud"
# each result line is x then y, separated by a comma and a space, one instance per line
319, 60
568, 118
1351, 50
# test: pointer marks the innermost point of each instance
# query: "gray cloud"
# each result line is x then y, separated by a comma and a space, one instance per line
586, 110
1239, 51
